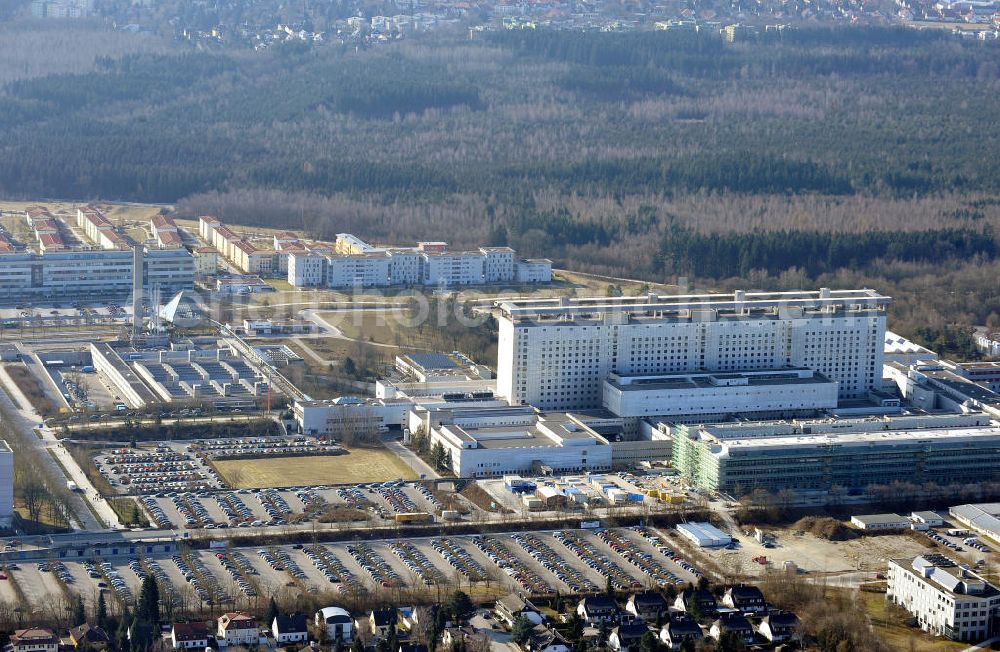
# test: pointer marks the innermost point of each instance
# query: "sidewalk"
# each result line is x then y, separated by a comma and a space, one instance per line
985, 645
412, 460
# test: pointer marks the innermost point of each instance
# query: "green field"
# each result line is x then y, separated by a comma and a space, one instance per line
359, 465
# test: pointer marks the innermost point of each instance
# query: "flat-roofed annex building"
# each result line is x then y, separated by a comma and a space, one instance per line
815, 455
771, 391
947, 598
491, 442
556, 353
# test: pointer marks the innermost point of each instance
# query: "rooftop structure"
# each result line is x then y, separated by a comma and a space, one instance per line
426, 367
900, 349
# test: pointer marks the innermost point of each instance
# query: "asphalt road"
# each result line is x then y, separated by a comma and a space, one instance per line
25, 420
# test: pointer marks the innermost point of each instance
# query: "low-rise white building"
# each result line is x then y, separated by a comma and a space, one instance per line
491, 442
533, 270
704, 535
946, 598
338, 623
983, 519
880, 522
930, 519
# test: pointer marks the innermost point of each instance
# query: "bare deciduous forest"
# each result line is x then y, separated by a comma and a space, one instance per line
841, 157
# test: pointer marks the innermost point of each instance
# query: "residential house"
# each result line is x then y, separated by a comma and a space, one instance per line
626, 637
290, 629
189, 635
412, 647
779, 627
680, 628
543, 639
91, 638
703, 598
338, 622
591, 636
596, 609
510, 607
457, 636
419, 618
237, 628
35, 639
381, 621
748, 599
140, 632
648, 605
732, 622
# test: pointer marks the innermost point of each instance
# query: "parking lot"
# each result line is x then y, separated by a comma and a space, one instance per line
538, 563
250, 508
152, 470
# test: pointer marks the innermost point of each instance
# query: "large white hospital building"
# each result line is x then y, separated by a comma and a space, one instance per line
555, 354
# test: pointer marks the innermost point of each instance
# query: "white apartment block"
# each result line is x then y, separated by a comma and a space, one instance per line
306, 270
357, 271
556, 353
206, 228
406, 267
359, 264
453, 268
946, 598
498, 264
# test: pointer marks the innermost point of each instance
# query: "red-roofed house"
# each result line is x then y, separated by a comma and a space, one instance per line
238, 628
35, 639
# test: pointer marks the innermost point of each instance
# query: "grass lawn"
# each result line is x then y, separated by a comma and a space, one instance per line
359, 465
398, 329
891, 627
